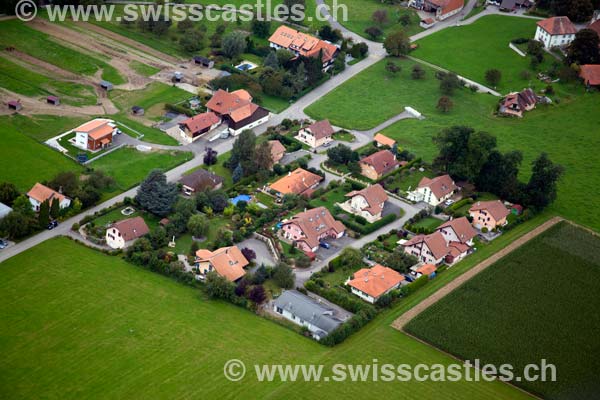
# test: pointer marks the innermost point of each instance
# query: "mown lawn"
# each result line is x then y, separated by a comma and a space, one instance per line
135, 129
143, 69
480, 321
118, 331
129, 166
38, 44
470, 50
28, 83
429, 223
153, 94
360, 17
23, 160
116, 215
568, 132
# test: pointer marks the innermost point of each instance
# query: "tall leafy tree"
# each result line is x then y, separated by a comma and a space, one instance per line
55, 209
584, 48
542, 186
156, 195
397, 44
243, 152
233, 44
8, 193
44, 215
499, 174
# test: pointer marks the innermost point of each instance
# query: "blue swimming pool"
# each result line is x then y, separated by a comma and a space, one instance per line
241, 197
244, 67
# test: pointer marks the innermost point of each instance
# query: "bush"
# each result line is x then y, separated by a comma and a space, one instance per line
366, 229
349, 327
414, 286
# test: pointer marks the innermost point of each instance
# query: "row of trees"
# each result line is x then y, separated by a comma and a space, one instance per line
473, 156
576, 10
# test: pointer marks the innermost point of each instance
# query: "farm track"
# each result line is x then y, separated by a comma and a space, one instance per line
400, 322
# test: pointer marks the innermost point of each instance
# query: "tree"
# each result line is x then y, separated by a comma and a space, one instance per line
579, 10
261, 28
16, 224
158, 238
404, 20
499, 174
242, 287
418, 72
392, 68
257, 294
399, 260
8, 193
198, 225
493, 76
65, 182
397, 44
283, 276
293, 9
373, 32
238, 173
185, 25
55, 208
23, 206
341, 154
271, 61
243, 152
263, 157
248, 253
210, 156
44, 215
233, 44
380, 17
584, 48
350, 257
314, 69
449, 83
444, 104
540, 191
339, 64
156, 195
192, 41
359, 50
302, 261
218, 287
332, 35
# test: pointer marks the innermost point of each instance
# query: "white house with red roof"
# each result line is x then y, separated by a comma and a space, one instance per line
316, 134
379, 164
302, 44
450, 243
433, 191
458, 230
95, 135
489, 214
442, 9
122, 233
40, 193
368, 202
371, 283
193, 128
307, 229
555, 32
229, 262
237, 110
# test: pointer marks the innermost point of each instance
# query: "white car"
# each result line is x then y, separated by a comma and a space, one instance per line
449, 202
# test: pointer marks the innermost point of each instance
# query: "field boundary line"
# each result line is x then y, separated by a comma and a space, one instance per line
400, 322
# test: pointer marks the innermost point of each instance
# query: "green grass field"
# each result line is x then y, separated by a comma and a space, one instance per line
23, 160
151, 135
462, 50
429, 223
143, 69
129, 166
156, 93
360, 17
551, 312
37, 44
28, 83
93, 326
567, 132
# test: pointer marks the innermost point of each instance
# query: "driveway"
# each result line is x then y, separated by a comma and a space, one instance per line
263, 256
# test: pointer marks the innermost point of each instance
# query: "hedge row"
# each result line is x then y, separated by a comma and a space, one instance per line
366, 229
338, 297
354, 324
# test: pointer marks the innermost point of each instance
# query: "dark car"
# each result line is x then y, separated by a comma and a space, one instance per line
409, 278
325, 245
3, 244
52, 225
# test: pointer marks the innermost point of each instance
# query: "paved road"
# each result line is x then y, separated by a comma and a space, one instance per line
296, 110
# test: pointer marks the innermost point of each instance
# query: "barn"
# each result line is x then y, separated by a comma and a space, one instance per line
55, 101
106, 85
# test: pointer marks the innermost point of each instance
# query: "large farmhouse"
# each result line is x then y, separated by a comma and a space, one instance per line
237, 110
442, 9
304, 45
193, 128
555, 32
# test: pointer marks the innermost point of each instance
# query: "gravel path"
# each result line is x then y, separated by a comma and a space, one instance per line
401, 321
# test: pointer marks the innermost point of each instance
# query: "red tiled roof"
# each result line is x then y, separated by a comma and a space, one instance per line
225, 103
435, 242
595, 26
42, 193
320, 129
384, 140
382, 162
461, 227
314, 222
558, 26
228, 262
243, 112
375, 196
296, 182
440, 186
590, 73
131, 228
277, 150
375, 281
96, 129
448, 5
306, 45
494, 207
201, 122
426, 269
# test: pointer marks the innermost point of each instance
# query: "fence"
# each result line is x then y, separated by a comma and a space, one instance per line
270, 245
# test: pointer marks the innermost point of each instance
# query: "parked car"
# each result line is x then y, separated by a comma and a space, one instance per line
325, 245
449, 202
409, 278
52, 225
3, 244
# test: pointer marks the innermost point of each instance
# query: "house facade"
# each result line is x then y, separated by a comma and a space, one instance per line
304, 45
458, 230
317, 134
237, 110
433, 191
307, 229
277, 151
384, 141
228, 262
436, 249
193, 128
368, 202
40, 193
122, 233
489, 214
95, 135
304, 311
555, 32
371, 283
378, 164
442, 9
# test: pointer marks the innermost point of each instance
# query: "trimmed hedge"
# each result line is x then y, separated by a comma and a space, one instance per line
349, 327
338, 297
366, 229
